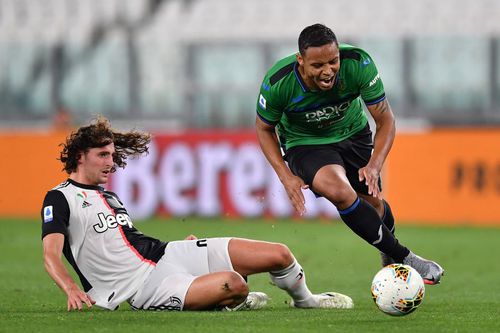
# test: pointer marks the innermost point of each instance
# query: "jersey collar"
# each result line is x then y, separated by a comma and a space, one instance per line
299, 78
85, 186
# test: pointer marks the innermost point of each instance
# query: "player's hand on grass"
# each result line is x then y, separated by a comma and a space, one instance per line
77, 297
371, 176
191, 237
294, 186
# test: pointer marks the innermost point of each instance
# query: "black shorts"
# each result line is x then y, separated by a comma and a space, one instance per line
352, 153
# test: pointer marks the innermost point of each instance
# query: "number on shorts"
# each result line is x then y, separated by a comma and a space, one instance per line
201, 243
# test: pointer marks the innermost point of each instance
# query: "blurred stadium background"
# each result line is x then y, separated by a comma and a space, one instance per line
190, 70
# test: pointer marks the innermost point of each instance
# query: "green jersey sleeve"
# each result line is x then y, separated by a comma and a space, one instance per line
371, 86
275, 90
268, 108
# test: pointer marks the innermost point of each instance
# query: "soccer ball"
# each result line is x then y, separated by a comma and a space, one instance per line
398, 289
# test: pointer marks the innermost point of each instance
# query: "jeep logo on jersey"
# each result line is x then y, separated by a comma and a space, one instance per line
332, 113
111, 222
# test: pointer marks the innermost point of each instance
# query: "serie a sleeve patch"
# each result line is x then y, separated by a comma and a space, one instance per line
262, 102
48, 214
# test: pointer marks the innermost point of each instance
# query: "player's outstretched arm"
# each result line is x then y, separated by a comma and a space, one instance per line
384, 137
270, 147
52, 251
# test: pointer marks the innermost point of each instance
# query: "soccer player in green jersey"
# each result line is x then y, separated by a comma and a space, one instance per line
310, 104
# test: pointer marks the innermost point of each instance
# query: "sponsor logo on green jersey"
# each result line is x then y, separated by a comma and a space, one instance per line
329, 114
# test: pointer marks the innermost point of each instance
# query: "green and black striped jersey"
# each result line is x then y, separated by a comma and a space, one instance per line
305, 117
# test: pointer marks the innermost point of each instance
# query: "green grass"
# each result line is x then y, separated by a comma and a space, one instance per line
468, 300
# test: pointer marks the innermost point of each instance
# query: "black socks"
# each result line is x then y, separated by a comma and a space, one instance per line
388, 218
363, 219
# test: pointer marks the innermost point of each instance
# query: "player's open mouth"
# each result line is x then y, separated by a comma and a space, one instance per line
328, 82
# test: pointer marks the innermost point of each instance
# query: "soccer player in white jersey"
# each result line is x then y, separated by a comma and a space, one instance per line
116, 263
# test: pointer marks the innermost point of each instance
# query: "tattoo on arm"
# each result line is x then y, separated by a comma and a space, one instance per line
380, 108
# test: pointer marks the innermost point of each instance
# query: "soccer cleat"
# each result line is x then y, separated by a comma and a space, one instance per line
328, 300
385, 259
430, 271
255, 300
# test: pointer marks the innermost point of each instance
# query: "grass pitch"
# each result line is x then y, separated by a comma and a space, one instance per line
468, 300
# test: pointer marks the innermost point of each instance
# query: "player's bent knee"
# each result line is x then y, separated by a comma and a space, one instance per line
213, 290
235, 285
338, 193
342, 197
341, 202
283, 256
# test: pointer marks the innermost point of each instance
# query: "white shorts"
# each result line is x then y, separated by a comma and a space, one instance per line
183, 261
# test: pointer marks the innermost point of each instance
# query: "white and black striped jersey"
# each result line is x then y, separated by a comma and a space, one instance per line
111, 257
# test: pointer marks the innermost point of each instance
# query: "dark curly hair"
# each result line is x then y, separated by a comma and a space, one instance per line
315, 35
99, 134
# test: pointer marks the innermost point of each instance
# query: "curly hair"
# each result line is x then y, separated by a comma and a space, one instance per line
99, 134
